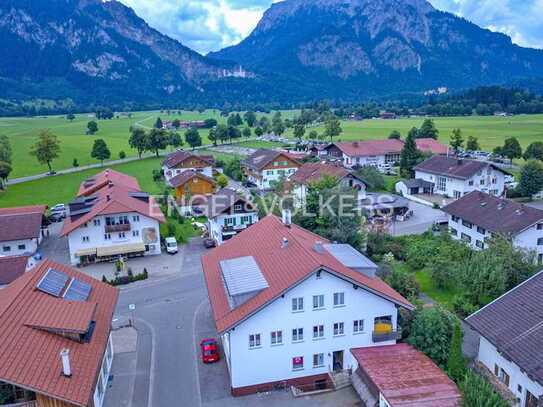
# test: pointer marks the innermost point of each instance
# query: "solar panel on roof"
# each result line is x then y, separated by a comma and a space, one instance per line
77, 291
53, 282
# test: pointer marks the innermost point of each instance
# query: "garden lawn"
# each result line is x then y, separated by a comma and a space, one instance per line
427, 286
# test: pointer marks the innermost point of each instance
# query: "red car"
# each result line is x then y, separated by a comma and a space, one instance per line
210, 350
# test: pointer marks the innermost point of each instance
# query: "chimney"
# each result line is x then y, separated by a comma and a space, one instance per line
284, 244
65, 357
287, 217
318, 247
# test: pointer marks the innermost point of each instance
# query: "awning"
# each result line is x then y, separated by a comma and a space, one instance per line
120, 249
86, 252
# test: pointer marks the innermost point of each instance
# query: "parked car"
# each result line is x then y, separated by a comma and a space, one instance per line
59, 208
210, 350
171, 245
56, 217
209, 243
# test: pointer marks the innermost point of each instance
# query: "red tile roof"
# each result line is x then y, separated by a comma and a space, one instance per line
281, 267
115, 196
11, 268
29, 357
20, 223
407, 377
430, 145
102, 179
365, 148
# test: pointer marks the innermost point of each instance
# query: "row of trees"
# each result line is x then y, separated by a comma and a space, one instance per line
5, 160
155, 140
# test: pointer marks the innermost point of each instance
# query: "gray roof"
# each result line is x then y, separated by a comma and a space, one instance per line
376, 201
417, 183
494, 214
243, 279
454, 167
514, 325
349, 257
261, 157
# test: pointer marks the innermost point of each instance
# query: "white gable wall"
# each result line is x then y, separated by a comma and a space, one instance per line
489, 356
271, 363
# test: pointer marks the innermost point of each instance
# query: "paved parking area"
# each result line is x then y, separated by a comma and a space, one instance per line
423, 218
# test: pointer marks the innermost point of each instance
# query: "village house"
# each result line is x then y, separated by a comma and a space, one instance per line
478, 216
264, 167
112, 217
314, 172
289, 305
228, 213
511, 340
22, 230
55, 343
454, 177
190, 186
12, 267
378, 153
181, 161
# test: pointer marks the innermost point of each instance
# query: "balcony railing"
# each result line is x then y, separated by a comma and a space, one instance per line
387, 336
124, 227
235, 228
32, 403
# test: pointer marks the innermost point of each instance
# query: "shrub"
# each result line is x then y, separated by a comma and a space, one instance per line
404, 282
75, 163
222, 181
122, 155
157, 175
431, 333
130, 278
456, 365
477, 392
373, 177
462, 306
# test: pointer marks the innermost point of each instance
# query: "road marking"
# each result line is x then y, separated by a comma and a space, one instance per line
152, 369
196, 350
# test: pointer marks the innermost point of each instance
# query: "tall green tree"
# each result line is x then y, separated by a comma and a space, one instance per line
472, 144
158, 123
313, 135
193, 138
534, 151
259, 132
92, 127
176, 140
428, 130
299, 131
332, 127
138, 140
478, 392
5, 149
246, 132
70, 117
531, 178
264, 123
212, 136
221, 133
410, 156
156, 140
456, 365
233, 133
100, 151
46, 149
511, 148
278, 126
250, 118
457, 141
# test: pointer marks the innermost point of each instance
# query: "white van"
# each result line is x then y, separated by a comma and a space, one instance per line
171, 245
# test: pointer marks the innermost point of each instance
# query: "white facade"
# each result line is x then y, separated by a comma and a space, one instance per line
103, 375
274, 362
93, 234
25, 247
519, 383
229, 224
488, 180
529, 239
266, 177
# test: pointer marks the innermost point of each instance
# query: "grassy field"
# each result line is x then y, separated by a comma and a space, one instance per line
491, 131
427, 286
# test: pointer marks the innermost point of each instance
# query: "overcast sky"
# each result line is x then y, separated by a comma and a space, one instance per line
209, 25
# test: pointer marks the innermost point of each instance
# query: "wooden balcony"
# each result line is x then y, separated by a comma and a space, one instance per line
124, 227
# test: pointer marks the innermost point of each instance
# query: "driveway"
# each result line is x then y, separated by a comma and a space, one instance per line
423, 218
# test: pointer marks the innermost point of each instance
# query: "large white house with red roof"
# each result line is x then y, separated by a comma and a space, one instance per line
55, 344
112, 217
289, 306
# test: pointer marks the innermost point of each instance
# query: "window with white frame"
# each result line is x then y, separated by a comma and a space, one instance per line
339, 299
318, 331
298, 363
339, 328
135, 233
318, 360
318, 301
254, 341
441, 183
297, 304
297, 334
136, 218
276, 337
107, 236
358, 326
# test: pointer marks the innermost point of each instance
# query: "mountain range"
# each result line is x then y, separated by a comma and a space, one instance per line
101, 52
